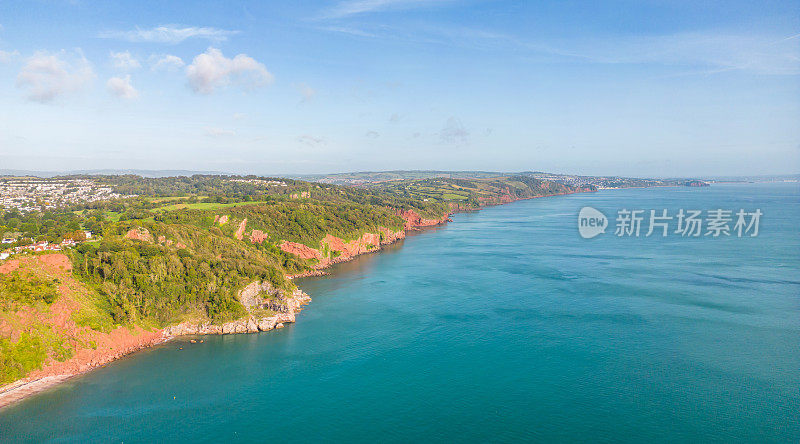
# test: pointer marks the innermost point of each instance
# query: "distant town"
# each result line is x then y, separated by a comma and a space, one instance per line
36, 194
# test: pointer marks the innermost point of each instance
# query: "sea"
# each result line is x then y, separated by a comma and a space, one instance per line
504, 325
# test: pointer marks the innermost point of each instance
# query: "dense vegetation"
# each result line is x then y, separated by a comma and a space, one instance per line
18, 289
172, 252
190, 270
20, 357
51, 226
36, 341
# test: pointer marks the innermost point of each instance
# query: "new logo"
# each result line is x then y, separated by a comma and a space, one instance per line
591, 222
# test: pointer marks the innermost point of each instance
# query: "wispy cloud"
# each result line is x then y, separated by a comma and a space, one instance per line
710, 51
306, 91
124, 61
355, 7
311, 141
454, 132
219, 132
6, 56
703, 52
348, 30
169, 34
166, 62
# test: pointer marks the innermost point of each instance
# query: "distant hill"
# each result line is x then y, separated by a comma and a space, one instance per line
770, 178
366, 177
601, 182
107, 172
385, 176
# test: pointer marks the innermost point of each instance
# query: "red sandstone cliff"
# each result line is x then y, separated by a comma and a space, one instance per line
341, 251
414, 220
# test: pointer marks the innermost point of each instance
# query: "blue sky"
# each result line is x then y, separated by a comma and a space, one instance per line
642, 88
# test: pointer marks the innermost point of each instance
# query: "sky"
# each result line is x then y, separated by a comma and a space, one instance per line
636, 88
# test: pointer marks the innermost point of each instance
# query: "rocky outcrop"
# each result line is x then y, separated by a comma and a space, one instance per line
251, 324
300, 250
414, 220
308, 273
258, 236
240, 231
389, 236
253, 298
367, 242
140, 234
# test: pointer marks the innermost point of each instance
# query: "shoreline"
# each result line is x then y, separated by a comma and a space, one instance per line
11, 394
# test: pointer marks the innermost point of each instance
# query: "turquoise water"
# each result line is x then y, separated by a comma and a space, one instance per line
503, 326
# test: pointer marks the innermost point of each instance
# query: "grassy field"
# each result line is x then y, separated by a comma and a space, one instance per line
203, 206
109, 215
167, 199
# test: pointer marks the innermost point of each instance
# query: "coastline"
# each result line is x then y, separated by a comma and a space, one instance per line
52, 375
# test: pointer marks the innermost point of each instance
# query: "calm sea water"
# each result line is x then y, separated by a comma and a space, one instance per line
502, 326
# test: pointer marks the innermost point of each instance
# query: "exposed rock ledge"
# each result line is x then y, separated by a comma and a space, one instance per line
251, 297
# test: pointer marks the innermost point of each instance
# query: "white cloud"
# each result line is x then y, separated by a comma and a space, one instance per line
355, 7
306, 91
454, 132
124, 61
49, 75
170, 34
6, 56
166, 62
219, 132
212, 70
121, 87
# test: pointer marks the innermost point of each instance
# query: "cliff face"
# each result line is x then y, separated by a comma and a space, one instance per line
252, 297
414, 221
341, 251
240, 231
300, 250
